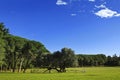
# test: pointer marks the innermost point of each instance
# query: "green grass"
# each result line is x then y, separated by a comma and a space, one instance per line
91, 73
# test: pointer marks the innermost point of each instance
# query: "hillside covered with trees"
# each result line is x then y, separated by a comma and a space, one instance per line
19, 54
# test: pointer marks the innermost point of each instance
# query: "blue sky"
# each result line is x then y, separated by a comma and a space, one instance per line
86, 26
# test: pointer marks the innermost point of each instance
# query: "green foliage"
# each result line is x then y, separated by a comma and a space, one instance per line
61, 59
3, 31
3, 34
113, 61
91, 60
18, 53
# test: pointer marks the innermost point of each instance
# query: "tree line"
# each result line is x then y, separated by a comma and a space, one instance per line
98, 60
19, 54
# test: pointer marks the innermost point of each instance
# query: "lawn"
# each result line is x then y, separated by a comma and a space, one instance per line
87, 73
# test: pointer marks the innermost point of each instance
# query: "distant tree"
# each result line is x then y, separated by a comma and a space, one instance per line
91, 60
80, 60
119, 60
109, 61
113, 61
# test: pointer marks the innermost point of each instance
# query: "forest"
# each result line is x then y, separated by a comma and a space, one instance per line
18, 54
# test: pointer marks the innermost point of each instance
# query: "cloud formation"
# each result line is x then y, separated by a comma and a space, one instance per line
106, 12
60, 2
88, 6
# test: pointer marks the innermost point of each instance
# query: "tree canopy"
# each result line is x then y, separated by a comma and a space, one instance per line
17, 52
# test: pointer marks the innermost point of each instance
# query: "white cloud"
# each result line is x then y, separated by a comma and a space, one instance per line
73, 14
60, 2
107, 13
91, 0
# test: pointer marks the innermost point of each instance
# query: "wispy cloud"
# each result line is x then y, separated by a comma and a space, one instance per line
73, 14
106, 12
91, 0
101, 6
60, 2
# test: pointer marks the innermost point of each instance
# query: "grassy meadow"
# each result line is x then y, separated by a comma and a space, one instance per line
87, 73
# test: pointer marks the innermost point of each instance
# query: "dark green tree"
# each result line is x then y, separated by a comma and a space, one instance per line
32, 52
14, 51
3, 34
59, 60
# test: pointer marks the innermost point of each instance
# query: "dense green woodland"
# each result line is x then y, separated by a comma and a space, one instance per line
17, 54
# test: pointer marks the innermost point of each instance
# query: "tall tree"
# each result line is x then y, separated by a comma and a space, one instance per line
13, 51
32, 51
3, 33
